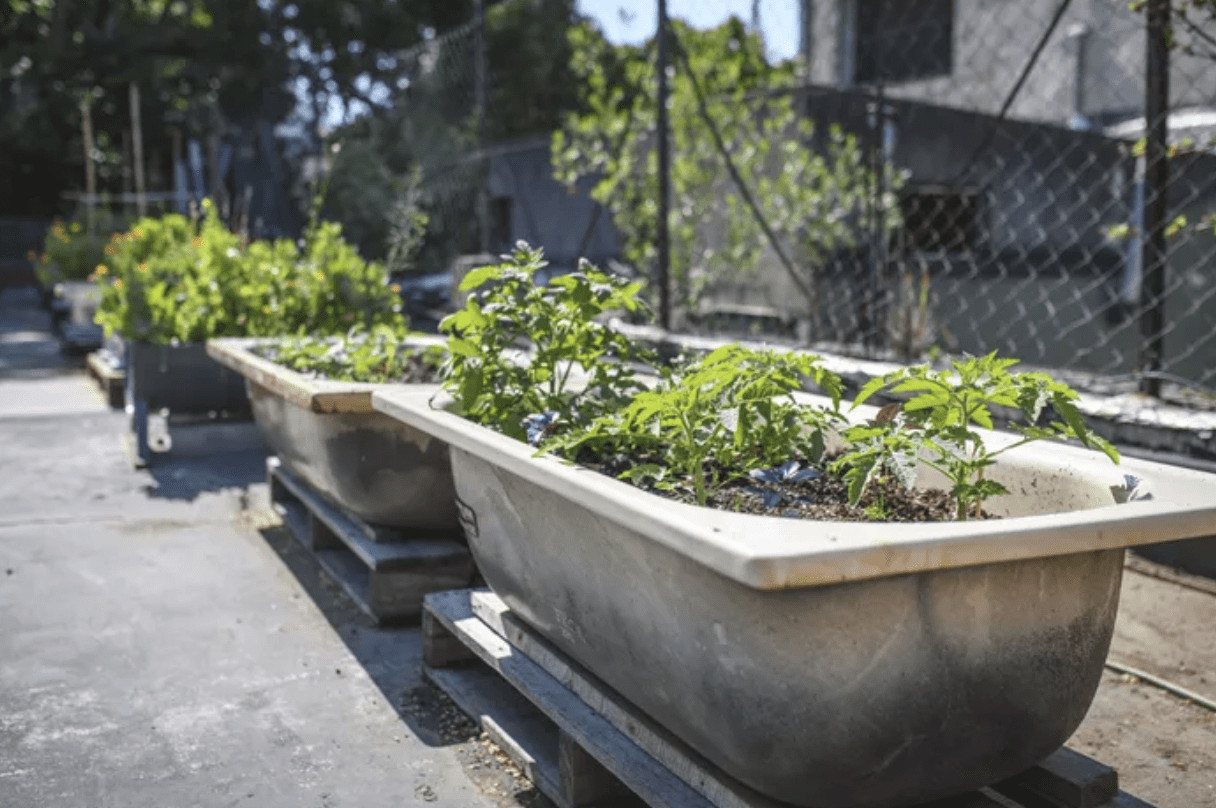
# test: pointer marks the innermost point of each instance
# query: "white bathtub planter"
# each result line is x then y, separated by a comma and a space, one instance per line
328, 434
825, 663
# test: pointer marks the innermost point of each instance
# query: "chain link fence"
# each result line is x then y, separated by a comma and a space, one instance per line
1036, 213
922, 176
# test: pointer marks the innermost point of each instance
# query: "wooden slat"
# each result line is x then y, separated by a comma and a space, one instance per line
480, 620
528, 737
701, 775
640, 772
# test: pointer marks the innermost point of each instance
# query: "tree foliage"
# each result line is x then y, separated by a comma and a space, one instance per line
200, 64
813, 197
431, 126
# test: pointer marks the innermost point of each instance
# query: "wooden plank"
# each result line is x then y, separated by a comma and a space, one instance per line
1066, 778
641, 773
439, 648
373, 544
583, 780
523, 732
1125, 800
480, 621
387, 591
716, 787
110, 379
341, 567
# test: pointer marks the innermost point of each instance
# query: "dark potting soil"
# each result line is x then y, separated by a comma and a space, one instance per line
417, 370
825, 498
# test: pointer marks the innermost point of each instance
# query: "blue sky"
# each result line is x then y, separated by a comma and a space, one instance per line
633, 21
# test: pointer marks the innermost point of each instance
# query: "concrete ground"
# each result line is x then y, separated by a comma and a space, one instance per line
161, 647
163, 644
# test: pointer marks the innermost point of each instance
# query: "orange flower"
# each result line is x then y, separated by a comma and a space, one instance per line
396, 287
118, 283
111, 250
143, 267
196, 242
101, 270
137, 233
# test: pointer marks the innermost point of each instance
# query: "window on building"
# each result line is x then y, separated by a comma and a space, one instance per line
901, 40
939, 219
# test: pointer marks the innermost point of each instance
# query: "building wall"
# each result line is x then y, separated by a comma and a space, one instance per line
993, 40
546, 213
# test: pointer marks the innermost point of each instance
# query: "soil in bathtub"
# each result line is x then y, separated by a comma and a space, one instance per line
379, 357
811, 496
727, 429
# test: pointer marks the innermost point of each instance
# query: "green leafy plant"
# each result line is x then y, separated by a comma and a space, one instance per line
811, 198
173, 279
717, 419
576, 366
376, 357
937, 426
72, 250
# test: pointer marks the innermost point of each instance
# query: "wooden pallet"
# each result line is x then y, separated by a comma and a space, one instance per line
110, 379
581, 743
386, 573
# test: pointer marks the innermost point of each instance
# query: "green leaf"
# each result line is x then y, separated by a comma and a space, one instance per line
924, 402
476, 277
462, 347
871, 387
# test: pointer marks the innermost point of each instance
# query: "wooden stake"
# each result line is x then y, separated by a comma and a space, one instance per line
126, 161
179, 190
90, 171
213, 172
137, 139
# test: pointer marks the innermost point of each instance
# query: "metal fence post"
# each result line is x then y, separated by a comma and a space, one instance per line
662, 271
1156, 181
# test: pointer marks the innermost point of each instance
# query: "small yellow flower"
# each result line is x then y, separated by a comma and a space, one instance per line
101, 269
196, 242
396, 287
110, 250
118, 283
143, 267
137, 233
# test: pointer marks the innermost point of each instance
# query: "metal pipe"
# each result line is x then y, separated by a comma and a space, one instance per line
137, 140
662, 270
482, 95
1164, 684
1156, 192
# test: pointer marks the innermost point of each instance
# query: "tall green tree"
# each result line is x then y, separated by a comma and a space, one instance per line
430, 132
815, 199
199, 63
